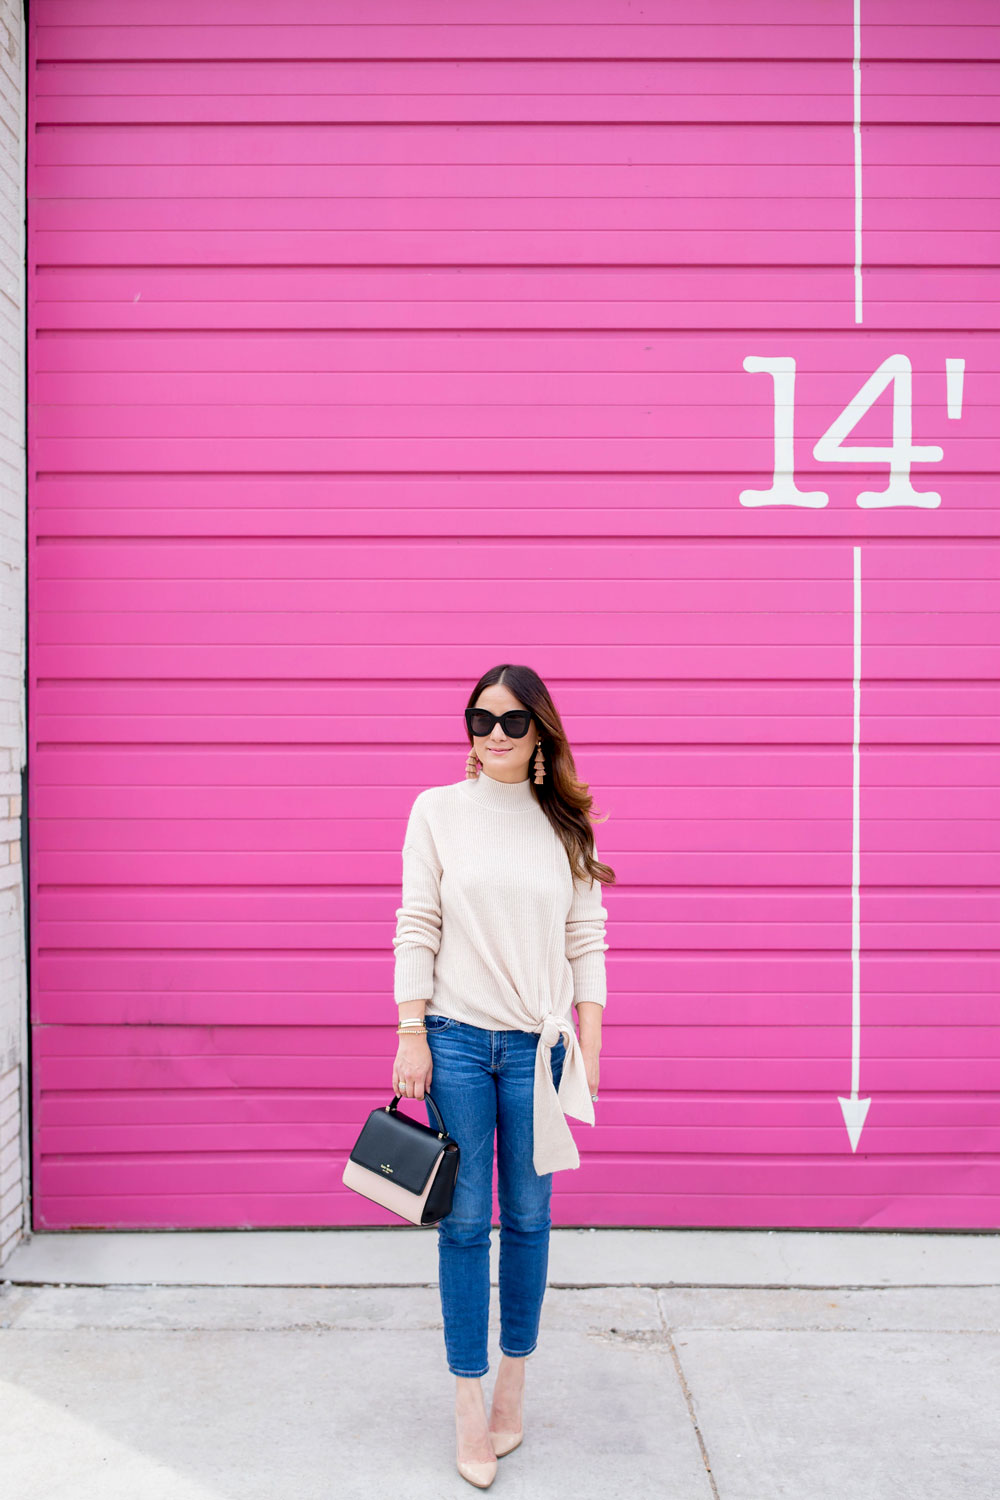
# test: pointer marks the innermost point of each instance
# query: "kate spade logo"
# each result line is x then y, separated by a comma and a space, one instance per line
385, 1166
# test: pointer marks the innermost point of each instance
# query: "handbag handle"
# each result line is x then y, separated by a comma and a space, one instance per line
437, 1113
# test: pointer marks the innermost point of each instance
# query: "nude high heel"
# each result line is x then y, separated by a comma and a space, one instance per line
481, 1474
506, 1442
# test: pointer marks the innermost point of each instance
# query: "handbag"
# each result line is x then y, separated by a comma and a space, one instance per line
404, 1165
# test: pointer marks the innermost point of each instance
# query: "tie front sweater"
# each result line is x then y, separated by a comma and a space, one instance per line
496, 931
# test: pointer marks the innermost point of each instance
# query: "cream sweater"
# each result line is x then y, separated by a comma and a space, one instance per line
494, 930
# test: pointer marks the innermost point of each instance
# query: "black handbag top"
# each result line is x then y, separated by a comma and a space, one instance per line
399, 1149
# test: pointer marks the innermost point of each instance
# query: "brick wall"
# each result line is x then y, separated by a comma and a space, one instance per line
14, 1158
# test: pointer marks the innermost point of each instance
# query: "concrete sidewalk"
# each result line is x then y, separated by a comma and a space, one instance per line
692, 1364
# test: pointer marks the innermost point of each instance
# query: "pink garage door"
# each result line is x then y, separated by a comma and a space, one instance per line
657, 355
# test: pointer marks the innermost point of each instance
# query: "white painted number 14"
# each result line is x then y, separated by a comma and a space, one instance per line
831, 449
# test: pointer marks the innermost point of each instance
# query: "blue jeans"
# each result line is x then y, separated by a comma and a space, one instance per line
484, 1081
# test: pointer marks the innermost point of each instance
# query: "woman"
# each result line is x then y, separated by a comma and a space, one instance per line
500, 932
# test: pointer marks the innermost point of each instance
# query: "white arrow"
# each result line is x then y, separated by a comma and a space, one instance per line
855, 1109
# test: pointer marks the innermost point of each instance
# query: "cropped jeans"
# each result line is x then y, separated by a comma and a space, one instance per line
483, 1081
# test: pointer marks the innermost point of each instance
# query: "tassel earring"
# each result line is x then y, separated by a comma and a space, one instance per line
472, 766
539, 765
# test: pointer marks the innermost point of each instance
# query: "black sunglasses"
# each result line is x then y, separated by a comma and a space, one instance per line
515, 723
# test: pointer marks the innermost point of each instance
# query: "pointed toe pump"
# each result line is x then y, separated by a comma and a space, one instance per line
480, 1472
481, 1475
506, 1442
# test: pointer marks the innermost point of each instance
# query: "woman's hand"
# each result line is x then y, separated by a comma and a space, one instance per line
411, 1072
590, 1015
592, 1059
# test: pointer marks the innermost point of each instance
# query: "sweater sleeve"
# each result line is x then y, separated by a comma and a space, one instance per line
418, 920
585, 945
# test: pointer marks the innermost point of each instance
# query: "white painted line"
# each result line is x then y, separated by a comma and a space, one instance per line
853, 1108
856, 840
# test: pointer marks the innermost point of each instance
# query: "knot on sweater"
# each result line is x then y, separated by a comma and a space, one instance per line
551, 1030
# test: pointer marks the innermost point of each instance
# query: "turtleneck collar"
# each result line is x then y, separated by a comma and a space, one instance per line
505, 796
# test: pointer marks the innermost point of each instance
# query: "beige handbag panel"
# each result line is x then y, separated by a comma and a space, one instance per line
389, 1194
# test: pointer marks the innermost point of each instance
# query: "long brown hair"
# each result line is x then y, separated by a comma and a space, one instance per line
566, 799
